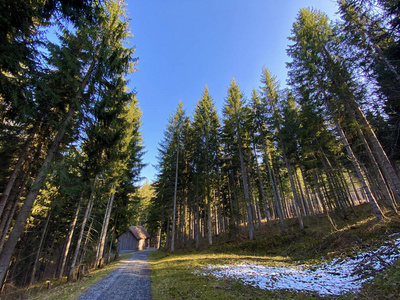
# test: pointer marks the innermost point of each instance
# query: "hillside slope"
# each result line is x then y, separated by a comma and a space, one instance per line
188, 274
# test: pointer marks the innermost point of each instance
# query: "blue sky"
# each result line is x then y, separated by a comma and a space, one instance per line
183, 45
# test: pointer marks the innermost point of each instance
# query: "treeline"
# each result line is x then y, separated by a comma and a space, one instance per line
325, 144
70, 143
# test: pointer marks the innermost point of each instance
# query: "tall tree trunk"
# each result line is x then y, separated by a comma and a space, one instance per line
352, 104
390, 198
358, 197
112, 238
197, 221
293, 186
261, 185
69, 238
253, 202
221, 205
104, 230
308, 196
375, 207
184, 226
16, 193
246, 191
317, 198
20, 222
81, 232
39, 250
209, 217
17, 168
233, 196
345, 185
275, 191
167, 237
324, 202
10, 211
174, 208
208, 196
159, 236
304, 204
85, 244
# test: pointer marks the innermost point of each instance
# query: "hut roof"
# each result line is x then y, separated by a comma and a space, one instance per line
139, 232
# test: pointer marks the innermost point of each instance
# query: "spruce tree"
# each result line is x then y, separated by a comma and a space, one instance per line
206, 157
235, 113
315, 68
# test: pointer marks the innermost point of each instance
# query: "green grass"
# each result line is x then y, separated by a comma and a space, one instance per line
61, 289
173, 275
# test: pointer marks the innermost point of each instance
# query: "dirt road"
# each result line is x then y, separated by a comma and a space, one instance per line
129, 281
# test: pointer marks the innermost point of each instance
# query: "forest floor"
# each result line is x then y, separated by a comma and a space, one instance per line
358, 260
336, 277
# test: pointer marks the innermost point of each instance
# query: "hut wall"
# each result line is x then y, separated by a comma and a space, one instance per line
127, 241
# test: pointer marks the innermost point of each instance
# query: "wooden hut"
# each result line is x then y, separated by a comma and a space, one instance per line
135, 239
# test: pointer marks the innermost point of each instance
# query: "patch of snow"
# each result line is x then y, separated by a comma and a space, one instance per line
337, 277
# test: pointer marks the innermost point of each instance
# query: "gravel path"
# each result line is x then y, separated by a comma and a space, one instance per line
129, 281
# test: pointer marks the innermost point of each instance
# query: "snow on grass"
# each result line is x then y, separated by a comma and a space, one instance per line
337, 277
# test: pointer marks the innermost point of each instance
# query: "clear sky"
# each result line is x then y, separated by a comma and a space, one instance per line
183, 45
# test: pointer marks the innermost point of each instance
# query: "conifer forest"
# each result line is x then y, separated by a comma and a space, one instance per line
71, 149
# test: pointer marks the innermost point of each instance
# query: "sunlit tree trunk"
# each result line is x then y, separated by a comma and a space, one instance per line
15, 196
69, 239
9, 210
373, 142
323, 201
275, 189
375, 207
85, 244
17, 168
104, 230
39, 250
260, 182
159, 236
294, 191
88, 211
308, 195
